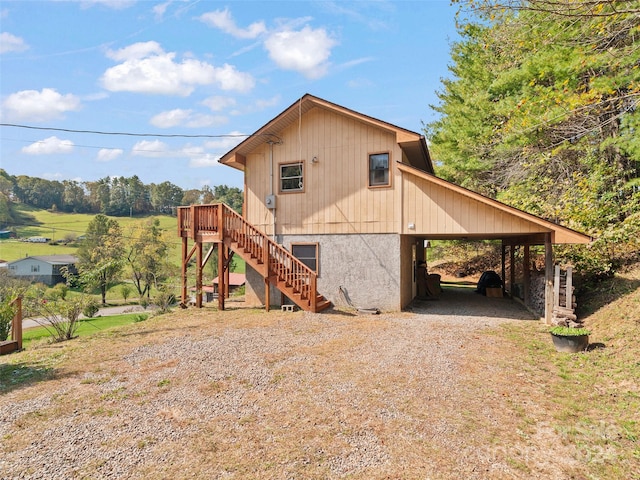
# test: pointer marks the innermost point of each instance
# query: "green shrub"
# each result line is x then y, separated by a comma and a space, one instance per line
7, 311
569, 332
91, 308
125, 291
164, 299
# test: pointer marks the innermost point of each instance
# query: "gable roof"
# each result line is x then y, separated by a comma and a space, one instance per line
51, 259
531, 226
235, 279
413, 144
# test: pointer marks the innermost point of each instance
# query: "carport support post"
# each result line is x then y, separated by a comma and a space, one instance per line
527, 274
548, 279
504, 270
512, 269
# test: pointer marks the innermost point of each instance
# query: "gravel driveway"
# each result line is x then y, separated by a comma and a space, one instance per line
249, 394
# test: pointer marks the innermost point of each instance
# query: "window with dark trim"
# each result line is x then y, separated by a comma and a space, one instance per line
292, 177
379, 169
307, 253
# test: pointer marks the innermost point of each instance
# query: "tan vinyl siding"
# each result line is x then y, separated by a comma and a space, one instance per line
336, 197
435, 209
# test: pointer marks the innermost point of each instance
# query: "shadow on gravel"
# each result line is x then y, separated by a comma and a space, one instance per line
17, 375
461, 301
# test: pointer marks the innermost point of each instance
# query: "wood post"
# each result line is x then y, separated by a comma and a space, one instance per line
267, 294
526, 263
199, 274
313, 294
512, 268
569, 288
504, 268
548, 279
221, 276
185, 246
556, 287
16, 324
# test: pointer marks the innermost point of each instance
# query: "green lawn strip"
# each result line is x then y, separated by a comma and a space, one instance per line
591, 397
86, 327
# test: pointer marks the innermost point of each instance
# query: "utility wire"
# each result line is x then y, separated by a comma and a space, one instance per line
130, 134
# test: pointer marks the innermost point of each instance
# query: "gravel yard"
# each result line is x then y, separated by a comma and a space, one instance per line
244, 393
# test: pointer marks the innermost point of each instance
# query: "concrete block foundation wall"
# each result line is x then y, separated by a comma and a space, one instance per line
367, 265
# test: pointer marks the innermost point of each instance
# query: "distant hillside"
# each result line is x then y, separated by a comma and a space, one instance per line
62, 228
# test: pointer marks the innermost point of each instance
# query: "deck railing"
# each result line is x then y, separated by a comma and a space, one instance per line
198, 219
265, 255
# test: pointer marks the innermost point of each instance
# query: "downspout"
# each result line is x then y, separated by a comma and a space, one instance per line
273, 210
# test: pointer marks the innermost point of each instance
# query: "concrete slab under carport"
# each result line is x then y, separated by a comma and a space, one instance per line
458, 301
508, 245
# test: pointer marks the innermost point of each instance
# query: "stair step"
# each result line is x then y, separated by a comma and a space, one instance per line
323, 305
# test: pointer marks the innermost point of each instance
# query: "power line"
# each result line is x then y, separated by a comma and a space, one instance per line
130, 134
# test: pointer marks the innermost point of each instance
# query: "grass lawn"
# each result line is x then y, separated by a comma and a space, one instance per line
86, 327
57, 226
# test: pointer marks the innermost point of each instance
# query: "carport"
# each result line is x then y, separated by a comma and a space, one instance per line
435, 209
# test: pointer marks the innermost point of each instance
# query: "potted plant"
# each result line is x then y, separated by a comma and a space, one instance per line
570, 339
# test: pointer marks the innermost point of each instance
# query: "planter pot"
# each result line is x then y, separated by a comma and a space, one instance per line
570, 343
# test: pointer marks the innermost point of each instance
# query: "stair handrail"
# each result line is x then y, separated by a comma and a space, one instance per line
301, 276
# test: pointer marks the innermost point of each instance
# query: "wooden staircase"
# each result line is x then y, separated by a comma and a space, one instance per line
220, 224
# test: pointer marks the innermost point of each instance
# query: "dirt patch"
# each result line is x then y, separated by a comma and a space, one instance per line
427, 393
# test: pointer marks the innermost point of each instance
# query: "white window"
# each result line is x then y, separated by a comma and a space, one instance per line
292, 177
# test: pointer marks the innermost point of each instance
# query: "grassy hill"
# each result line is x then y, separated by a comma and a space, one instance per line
59, 226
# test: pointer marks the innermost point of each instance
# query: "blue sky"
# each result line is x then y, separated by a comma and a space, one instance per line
200, 68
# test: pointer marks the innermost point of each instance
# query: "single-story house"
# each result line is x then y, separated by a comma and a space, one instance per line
234, 281
46, 269
335, 200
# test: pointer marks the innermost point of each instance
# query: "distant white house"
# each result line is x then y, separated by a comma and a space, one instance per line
43, 268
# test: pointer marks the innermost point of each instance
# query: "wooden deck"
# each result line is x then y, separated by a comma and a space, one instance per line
219, 224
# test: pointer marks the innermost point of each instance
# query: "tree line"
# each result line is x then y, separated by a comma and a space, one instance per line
112, 196
541, 112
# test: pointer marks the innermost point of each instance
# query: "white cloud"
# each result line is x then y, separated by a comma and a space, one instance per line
204, 160
114, 4
109, 154
187, 118
54, 176
49, 146
11, 43
217, 104
160, 9
135, 51
222, 20
228, 78
223, 144
269, 102
146, 68
150, 148
306, 51
39, 106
